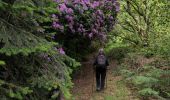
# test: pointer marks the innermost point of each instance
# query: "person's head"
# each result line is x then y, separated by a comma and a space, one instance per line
101, 51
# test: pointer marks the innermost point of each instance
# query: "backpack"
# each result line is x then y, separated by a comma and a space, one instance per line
101, 60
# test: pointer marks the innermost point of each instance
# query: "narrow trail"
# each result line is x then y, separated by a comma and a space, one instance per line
83, 81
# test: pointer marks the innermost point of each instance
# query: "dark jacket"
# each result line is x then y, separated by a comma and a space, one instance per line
96, 63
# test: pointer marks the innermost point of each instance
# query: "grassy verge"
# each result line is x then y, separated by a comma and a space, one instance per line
121, 93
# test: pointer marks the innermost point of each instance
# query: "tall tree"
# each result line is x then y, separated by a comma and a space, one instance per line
30, 65
139, 19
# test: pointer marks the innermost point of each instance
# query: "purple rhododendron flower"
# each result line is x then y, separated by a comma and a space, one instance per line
81, 26
99, 12
90, 35
61, 51
94, 31
109, 7
58, 1
71, 27
95, 4
61, 28
53, 15
83, 30
117, 5
111, 18
91, 18
69, 19
62, 7
53, 37
69, 11
79, 30
85, 7
76, 1
87, 2
56, 25
66, 1
49, 59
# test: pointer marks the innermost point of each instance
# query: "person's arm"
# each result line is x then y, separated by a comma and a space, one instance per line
95, 62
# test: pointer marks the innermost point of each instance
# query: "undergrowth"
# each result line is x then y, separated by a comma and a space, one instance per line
148, 80
144, 71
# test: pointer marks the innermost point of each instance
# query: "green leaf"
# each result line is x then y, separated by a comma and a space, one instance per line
19, 41
2, 62
148, 92
143, 81
2, 82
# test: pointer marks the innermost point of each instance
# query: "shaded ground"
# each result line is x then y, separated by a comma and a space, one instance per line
84, 81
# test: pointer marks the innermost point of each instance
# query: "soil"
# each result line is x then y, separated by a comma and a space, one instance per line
85, 89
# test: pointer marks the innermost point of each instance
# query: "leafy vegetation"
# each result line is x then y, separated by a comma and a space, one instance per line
82, 21
34, 61
143, 28
40, 40
31, 66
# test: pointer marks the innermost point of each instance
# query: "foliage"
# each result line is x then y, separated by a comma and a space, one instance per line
2, 62
92, 19
82, 22
141, 22
148, 92
33, 69
159, 35
115, 49
126, 73
13, 91
143, 25
148, 79
41, 74
143, 81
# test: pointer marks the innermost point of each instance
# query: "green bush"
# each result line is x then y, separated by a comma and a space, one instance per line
146, 78
143, 81
30, 66
127, 73
148, 92
117, 50
2, 62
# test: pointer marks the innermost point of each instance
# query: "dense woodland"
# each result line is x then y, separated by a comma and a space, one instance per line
42, 43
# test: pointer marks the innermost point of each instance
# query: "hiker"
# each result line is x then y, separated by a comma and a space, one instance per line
100, 66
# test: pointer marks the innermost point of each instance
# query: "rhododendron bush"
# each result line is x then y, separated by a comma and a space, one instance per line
92, 19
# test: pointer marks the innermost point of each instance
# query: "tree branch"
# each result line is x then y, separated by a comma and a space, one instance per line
11, 2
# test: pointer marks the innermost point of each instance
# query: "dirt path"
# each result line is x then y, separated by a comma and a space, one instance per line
83, 81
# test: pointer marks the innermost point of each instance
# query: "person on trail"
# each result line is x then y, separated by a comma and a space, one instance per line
100, 66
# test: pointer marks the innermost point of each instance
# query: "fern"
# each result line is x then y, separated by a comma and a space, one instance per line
2, 62
148, 92
143, 81
127, 73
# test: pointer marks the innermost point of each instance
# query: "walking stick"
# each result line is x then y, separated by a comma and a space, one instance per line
93, 81
106, 78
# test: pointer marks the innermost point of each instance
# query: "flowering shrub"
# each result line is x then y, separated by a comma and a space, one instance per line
92, 19
61, 51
